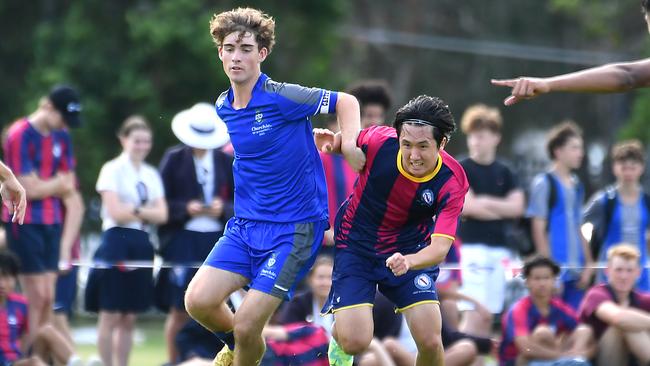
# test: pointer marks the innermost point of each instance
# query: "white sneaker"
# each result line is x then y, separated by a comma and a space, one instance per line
75, 361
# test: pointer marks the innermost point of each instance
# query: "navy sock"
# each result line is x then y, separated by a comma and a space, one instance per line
228, 338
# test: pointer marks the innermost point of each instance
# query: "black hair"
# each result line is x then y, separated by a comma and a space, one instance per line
371, 92
9, 263
426, 110
540, 261
645, 6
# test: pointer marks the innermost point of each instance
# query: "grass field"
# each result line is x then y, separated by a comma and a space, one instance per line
148, 348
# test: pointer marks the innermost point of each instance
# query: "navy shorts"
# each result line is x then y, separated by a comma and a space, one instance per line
66, 291
273, 256
119, 288
185, 249
36, 245
356, 278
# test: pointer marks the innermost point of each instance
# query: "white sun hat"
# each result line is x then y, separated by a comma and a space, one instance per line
200, 127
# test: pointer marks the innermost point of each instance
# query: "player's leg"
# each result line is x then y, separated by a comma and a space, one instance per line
124, 338
106, 325
353, 328
612, 349
425, 323
50, 343
399, 354
226, 269
463, 352
581, 341
249, 321
174, 322
639, 345
65, 294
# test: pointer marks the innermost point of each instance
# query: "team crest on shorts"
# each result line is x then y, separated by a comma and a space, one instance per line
427, 197
271, 262
423, 281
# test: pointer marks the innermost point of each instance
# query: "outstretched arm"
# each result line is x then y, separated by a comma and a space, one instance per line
349, 117
609, 78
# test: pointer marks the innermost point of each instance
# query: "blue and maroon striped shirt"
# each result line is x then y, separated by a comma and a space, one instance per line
13, 325
27, 151
392, 211
340, 178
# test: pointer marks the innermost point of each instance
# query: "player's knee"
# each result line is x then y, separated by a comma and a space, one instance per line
246, 329
429, 344
390, 343
196, 303
583, 332
466, 348
543, 333
353, 345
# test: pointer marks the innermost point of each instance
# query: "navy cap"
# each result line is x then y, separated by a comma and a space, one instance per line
66, 101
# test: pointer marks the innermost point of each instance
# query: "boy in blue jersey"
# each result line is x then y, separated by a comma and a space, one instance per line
555, 209
620, 212
395, 228
280, 193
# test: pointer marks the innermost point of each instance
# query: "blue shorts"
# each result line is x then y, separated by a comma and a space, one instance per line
36, 245
66, 291
121, 289
356, 278
273, 256
185, 249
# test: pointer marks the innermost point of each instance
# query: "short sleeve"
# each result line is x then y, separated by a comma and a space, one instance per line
107, 180
520, 321
594, 211
157, 188
643, 300
297, 102
19, 159
451, 200
594, 298
538, 202
67, 161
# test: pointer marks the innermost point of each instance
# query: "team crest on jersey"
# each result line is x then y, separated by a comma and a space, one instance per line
423, 281
259, 116
12, 321
56, 150
427, 197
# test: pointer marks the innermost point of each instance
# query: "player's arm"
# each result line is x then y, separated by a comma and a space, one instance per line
626, 319
38, 189
475, 208
508, 207
349, 118
13, 194
119, 211
532, 350
616, 77
74, 211
155, 213
428, 256
540, 236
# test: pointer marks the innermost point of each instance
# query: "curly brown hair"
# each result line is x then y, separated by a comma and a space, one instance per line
628, 150
244, 20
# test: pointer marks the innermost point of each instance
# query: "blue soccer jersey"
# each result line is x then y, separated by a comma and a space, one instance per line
277, 170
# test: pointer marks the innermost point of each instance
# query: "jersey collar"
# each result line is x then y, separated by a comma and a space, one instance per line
427, 177
258, 84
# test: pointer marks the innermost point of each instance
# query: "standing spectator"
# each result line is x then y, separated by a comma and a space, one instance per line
494, 197
555, 210
620, 213
541, 327
305, 307
38, 149
132, 199
198, 182
618, 313
45, 344
374, 102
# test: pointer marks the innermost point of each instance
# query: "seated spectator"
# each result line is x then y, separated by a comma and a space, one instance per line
306, 306
618, 313
542, 328
392, 333
47, 344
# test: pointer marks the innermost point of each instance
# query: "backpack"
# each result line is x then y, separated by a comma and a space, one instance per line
519, 234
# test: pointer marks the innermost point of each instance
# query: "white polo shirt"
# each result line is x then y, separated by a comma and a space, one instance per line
138, 186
